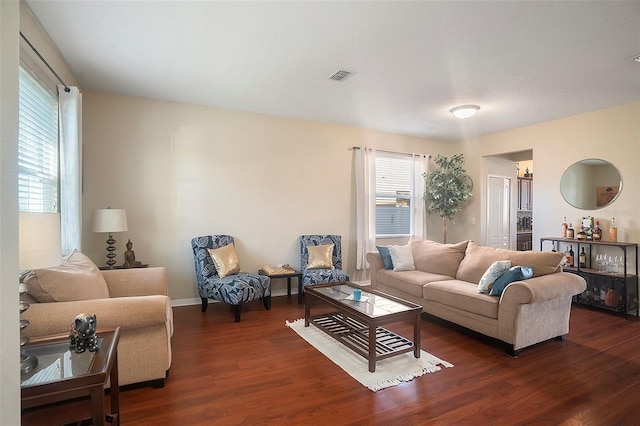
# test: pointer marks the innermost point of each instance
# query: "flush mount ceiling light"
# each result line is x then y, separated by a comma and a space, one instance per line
465, 111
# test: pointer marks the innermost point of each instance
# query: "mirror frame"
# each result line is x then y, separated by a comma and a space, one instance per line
597, 194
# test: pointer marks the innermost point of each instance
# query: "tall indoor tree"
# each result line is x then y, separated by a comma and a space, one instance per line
447, 187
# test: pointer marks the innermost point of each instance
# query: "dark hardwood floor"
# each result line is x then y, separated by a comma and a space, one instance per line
260, 372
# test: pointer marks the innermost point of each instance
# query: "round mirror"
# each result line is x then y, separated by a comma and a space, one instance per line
591, 184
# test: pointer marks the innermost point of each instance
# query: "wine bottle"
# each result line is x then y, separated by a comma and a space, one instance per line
583, 259
613, 231
563, 228
568, 257
571, 254
597, 232
570, 232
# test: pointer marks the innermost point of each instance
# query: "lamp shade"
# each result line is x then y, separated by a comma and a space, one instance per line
39, 243
110, 220
465, 111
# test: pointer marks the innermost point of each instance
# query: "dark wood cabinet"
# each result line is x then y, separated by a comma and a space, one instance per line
525, 194
616, 287
524, 241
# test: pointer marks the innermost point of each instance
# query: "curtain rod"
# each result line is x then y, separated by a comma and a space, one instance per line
391, 152
66, 88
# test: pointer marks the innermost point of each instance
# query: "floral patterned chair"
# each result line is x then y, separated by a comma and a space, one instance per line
234, 289
321, 275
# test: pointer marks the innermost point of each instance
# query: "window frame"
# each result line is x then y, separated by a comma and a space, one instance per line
408, 184
45, 85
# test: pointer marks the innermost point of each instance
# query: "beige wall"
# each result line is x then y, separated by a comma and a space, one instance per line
9, 360
612, 134
182, 171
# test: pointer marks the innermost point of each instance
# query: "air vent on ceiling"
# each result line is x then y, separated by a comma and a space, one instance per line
340, 75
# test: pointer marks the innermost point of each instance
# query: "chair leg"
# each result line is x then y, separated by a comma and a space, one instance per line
267, 302
237, 309
205, 303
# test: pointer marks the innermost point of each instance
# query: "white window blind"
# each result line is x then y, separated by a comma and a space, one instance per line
394, 175
38, 166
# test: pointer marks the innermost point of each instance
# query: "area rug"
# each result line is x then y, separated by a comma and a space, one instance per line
389, 372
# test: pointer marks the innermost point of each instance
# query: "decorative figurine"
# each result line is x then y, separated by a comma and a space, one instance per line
130, 257
83, 333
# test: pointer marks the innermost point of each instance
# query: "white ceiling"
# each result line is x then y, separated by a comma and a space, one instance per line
522, 62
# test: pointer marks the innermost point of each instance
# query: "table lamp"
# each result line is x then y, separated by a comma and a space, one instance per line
39, 246
110, 220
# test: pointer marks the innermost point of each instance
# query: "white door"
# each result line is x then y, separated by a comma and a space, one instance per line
498, 212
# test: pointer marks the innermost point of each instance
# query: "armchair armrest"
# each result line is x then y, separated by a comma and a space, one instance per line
126, 312
136, 281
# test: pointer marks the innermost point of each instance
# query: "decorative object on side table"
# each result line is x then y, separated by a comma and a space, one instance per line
82, 335
130, 257
39, 247
110, 220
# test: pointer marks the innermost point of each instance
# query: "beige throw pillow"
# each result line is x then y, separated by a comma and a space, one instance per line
225, 260
437, 258
77, 278
320, 257
479, 258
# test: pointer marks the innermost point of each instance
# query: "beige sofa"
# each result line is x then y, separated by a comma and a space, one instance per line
445, 283
137, 302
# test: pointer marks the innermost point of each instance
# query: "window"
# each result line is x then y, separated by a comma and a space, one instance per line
38, 169
394, 177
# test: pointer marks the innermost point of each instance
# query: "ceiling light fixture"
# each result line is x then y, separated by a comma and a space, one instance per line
465, 111
635, 58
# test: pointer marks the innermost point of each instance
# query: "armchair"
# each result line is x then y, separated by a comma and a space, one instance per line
233, 289
321, 275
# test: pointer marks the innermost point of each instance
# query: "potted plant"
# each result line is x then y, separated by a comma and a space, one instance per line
447, 187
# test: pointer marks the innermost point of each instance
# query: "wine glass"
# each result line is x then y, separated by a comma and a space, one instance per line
599, 262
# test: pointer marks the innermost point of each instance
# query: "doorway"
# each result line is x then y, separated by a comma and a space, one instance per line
501, 203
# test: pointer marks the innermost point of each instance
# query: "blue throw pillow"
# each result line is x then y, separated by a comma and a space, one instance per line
386, 257
517, 273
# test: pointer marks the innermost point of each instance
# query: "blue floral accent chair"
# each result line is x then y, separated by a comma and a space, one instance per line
317, 276
232, 289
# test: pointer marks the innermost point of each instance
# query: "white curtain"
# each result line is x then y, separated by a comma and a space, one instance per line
419, 217
365, 165
70, 124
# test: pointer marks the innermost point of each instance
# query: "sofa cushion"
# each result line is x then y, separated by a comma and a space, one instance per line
386, 257
437, 258
492, 274
402, 258
478, 258
461, 295
77, 278
517, 273
410, 282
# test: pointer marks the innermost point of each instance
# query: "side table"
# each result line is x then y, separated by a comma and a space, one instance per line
62, 374
288, 276
106, 268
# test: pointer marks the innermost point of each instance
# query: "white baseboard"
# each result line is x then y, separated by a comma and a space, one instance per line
197, 301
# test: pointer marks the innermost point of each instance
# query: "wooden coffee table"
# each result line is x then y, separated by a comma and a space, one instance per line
357, 324
62, 374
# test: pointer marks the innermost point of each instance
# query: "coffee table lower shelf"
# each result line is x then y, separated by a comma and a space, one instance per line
355, 335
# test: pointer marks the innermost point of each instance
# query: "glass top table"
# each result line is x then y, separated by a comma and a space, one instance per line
357, 324
371, 304
62, 374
